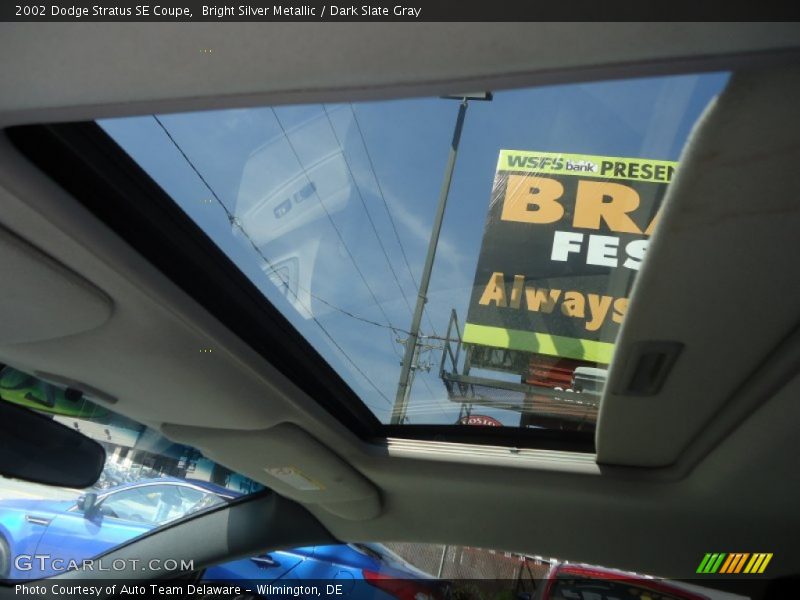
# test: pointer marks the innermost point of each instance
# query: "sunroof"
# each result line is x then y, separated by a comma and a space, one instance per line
330, 211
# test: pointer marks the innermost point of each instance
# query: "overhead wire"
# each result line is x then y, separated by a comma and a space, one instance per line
366, 210
235, 222
396, 233
389, 326
433, 396
333, 224
386, 207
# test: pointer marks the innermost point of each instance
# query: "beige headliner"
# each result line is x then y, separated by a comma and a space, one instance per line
87, 70
729, 486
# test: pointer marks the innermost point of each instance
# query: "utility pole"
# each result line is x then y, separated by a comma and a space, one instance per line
410, 354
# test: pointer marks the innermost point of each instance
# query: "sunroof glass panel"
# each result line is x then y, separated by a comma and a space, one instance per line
330, 211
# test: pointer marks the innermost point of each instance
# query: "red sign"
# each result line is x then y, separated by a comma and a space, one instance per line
481, 420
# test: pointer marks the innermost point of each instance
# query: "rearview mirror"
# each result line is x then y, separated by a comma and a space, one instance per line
36, 448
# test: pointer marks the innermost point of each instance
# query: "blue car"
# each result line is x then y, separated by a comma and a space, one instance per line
359, 572
70, 531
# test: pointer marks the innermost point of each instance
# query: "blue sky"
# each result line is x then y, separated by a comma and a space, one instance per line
312, 162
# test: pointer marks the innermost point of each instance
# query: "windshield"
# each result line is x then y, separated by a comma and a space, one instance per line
502, 313
147, 482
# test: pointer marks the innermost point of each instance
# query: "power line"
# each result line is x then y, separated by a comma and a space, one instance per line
376, 324
364, 205
435, 407
383, 198
386, 206
423, 377
333, 224
234, 221
397, 330
434, 396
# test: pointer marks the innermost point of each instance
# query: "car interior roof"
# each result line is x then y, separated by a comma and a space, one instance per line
707, 462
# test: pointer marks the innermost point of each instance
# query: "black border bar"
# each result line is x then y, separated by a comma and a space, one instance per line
143, 11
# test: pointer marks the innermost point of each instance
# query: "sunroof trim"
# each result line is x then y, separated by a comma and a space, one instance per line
222, 202
89, 165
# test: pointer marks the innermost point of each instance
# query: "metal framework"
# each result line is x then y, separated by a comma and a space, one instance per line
545, 406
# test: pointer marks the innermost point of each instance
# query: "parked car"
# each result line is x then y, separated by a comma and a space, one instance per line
573, 581
73, 530
362, 570
70, 531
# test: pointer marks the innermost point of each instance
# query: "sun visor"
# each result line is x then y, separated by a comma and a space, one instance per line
46, 299
289, 461
718, 291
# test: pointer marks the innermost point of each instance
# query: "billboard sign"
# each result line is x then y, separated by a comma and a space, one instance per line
564, 237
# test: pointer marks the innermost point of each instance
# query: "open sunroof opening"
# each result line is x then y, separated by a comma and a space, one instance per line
330, 211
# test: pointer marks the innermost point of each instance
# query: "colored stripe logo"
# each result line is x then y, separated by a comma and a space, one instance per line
734, 563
